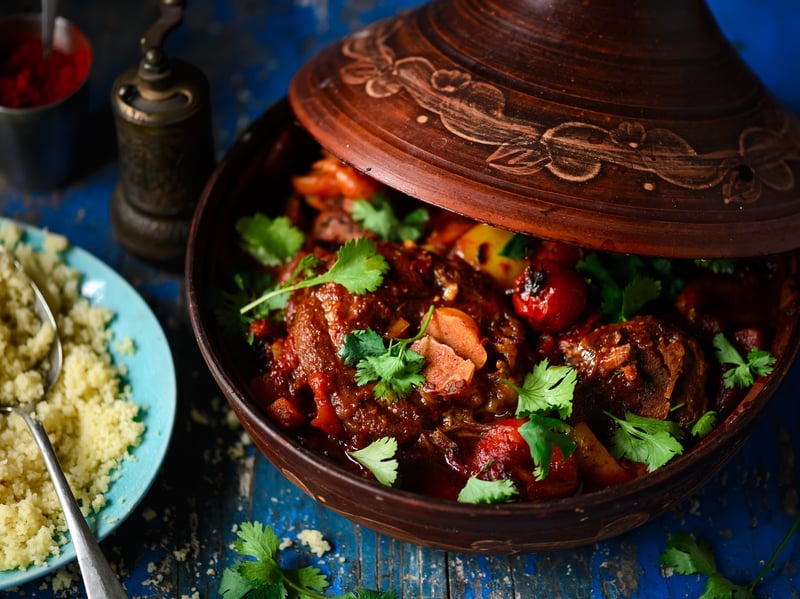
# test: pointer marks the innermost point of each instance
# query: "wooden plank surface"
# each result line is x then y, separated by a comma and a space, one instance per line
177, 542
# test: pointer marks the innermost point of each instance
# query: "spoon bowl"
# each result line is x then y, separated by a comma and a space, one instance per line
99, 579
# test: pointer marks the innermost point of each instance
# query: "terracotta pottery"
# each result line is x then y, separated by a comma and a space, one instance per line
635, 129
256, 168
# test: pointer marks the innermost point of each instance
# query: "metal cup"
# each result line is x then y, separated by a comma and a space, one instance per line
40, 146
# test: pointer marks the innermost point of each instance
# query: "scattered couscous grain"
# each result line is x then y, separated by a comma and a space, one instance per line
88, 414
315, 542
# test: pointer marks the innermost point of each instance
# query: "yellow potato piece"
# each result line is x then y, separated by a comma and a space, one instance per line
480, 246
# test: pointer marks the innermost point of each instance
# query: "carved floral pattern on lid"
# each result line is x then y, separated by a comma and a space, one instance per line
572, 151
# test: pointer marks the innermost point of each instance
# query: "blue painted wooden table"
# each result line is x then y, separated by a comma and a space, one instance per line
177, 542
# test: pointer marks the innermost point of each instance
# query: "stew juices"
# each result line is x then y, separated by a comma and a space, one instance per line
481, 365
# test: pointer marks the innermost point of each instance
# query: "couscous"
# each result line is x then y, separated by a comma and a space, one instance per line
88, 414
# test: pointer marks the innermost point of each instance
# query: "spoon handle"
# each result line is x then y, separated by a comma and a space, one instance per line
98, 577
49, 8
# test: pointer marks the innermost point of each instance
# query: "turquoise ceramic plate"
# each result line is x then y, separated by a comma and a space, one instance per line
152, 379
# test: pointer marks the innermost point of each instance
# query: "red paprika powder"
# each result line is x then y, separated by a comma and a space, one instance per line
29, 79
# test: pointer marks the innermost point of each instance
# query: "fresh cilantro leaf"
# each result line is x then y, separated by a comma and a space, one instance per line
396, 368
626, 283
235, 585
378, 458
685, 555
546, 388
705, 424
247, 284
264, 571
271, 241
645, 440
358, 267
265, 579
396, 372
719, 587
610, 291
743, 374
378, 216
257, 540
487, 491
541, 434
367, 594
723, 265
517, 247
637, 294
361, 344
305, 582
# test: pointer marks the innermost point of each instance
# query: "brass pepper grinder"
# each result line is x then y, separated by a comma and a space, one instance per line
166, 149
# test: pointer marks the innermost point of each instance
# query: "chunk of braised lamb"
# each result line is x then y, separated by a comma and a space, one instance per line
319, 318
643, 366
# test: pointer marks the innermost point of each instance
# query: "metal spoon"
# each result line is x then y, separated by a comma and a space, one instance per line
49, 8
98, 577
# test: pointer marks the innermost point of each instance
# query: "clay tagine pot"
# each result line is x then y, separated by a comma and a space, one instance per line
636, 130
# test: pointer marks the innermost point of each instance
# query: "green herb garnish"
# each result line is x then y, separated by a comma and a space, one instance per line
541, 434
718, 266
645, 440
487, 491
265, 578
359, 267
517, 247
248, 284
544, 390
685, 555
378, 216
626, 284
271, 241
378, 458
743, 374
396, 367
705, 424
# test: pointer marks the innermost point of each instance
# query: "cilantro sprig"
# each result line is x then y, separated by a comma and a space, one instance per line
379, 458
705, 424
378, 216
264, 577
625, 283
717, 266
686, 555
247, 284
358, 267
645, 440
743, 374
271, 241
478, 490
517, 247
396, 368
546, 390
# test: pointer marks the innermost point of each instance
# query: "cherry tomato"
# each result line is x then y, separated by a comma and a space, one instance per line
260, 328
549, 296
503, 453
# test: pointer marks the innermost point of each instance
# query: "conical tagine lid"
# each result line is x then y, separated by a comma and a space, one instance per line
632, 127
